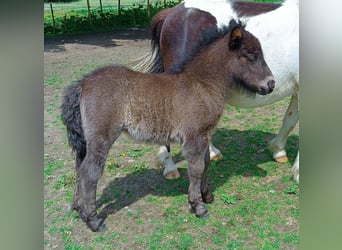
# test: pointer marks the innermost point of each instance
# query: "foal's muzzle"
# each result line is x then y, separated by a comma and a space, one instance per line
268, 88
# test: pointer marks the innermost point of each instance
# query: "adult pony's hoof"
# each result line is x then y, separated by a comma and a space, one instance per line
216, 157
282, 159
215, 153
172, 175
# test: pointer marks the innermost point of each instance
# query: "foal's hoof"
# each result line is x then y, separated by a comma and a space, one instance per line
172, 175
216, 157
96, 225
282, 159
200, 210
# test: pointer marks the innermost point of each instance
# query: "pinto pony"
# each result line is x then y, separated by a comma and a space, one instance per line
177, 34
183, 107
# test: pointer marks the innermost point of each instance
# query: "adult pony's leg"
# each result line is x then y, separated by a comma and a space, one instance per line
277, 144
170, 169
165, 160
295, 168
196, 150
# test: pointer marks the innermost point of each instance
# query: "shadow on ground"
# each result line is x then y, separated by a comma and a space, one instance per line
102, 39
243, 152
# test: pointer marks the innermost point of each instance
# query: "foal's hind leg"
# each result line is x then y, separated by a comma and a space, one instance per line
77, 195
277, 144
165, 160
89, 172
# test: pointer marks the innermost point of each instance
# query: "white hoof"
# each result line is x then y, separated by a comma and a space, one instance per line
165, 160
215, 154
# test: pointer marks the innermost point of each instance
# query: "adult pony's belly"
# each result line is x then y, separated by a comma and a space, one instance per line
240, 98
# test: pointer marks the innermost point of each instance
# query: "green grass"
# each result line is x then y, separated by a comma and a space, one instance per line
74, 18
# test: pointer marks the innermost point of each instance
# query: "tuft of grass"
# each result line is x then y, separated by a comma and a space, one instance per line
228, 199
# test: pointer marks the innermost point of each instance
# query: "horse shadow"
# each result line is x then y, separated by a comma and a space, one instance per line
101, 39
242, 155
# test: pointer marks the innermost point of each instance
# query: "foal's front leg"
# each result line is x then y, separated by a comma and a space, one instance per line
198, 157
207, 196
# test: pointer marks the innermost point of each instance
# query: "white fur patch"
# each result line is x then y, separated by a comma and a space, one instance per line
220, 9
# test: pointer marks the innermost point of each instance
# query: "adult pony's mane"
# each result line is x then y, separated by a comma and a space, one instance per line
208, 36
206, 40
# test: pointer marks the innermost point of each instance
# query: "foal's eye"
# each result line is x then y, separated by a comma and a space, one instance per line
251, 57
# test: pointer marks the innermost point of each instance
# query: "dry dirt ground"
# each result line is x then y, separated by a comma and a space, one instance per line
66, 59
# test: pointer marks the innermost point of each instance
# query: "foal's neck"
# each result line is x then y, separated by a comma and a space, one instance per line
211, 66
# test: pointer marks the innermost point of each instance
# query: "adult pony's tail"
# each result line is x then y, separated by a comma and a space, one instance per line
152, 61
71, 117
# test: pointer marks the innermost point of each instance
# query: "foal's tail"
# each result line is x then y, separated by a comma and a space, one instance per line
71, 117
152, 61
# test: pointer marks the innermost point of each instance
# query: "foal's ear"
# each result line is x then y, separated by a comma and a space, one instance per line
235, 38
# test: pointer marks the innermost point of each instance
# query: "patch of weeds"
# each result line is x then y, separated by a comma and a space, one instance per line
139, 221
113, 236
64, 180
53, 230
291, 238
185, 241
268, 244
54, 80
113, 166
136, 153
99, 239
293, 189
58, 121
50, 166
48, 203
235, 244
52, 106
171, 211
140, 167
73, 247
69, 196
295, 213
152, 199
226, 119
228, 199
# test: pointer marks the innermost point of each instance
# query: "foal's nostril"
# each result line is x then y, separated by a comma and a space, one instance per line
271, 84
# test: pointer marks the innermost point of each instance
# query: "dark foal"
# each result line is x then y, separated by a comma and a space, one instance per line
159, 108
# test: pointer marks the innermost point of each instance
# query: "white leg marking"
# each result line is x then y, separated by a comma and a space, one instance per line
215, 154
277, 144
295, 169
165, 160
